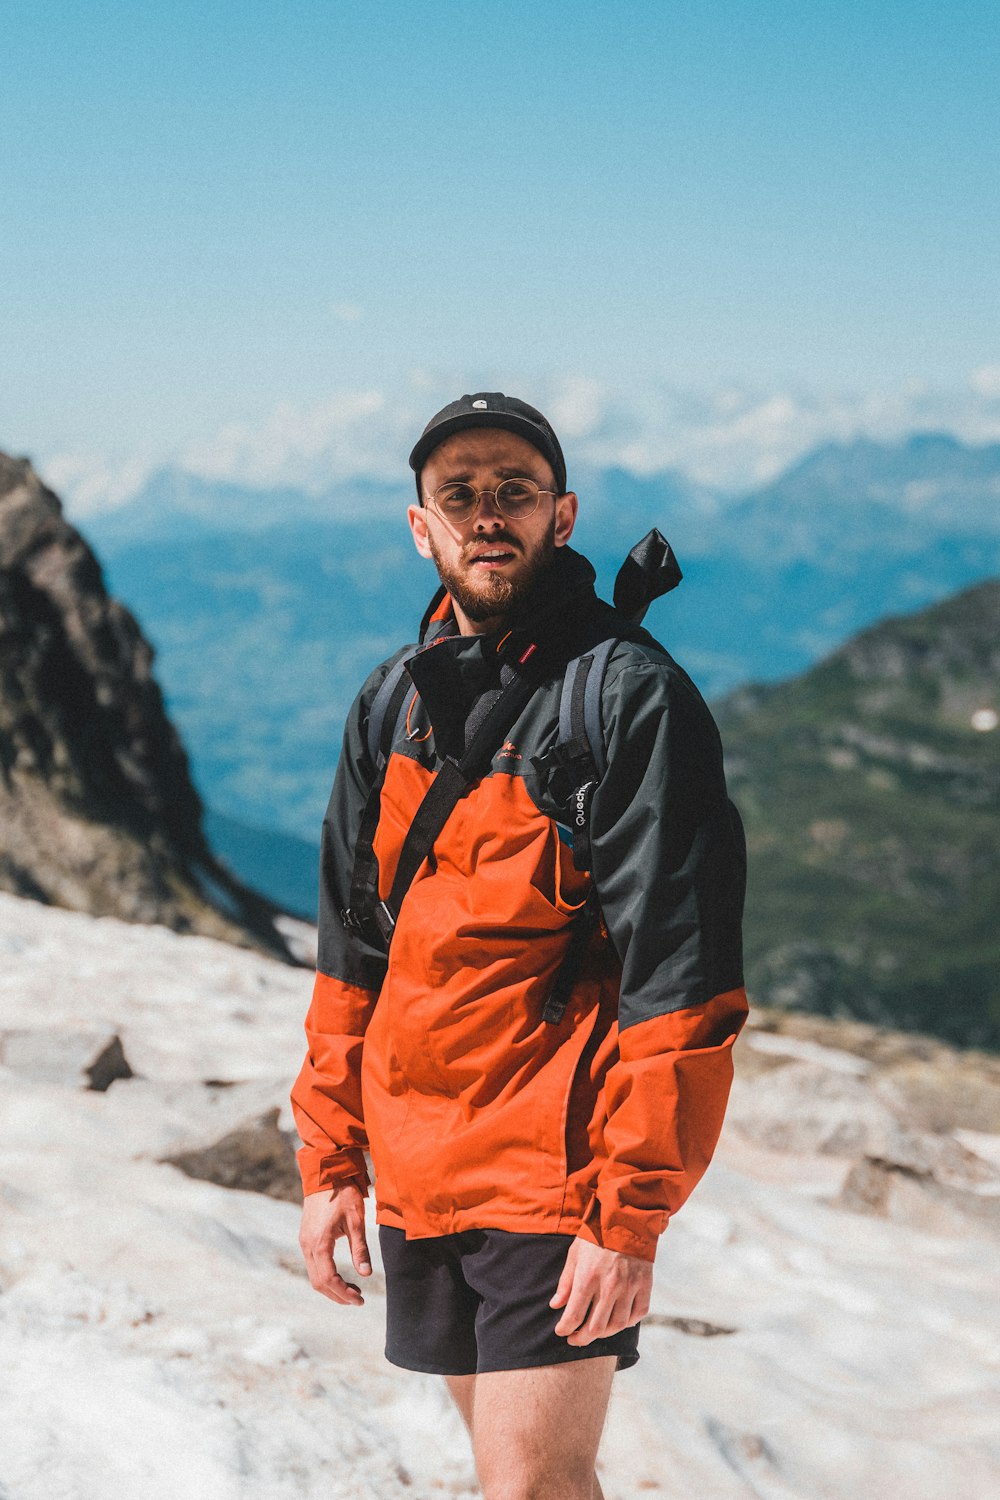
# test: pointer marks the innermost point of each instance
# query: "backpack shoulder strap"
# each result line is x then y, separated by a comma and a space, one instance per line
393, 689
485, 731
387, 712
580, 702
384, 718
580, 753
580, 747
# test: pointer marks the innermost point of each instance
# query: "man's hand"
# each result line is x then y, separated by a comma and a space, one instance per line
601, 1292
325, 1217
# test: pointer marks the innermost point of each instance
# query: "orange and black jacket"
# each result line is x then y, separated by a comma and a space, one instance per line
476, 1111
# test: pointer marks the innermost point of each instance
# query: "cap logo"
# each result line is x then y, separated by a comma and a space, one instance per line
480, 405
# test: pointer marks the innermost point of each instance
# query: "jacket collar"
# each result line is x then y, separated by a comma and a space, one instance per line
452, 670
569, 582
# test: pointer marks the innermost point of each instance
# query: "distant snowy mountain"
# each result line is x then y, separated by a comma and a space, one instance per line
269, 607
930, 481
173, 506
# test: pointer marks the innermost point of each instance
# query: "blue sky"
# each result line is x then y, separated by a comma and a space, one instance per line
219, 213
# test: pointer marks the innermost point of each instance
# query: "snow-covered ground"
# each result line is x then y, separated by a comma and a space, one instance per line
158, 1338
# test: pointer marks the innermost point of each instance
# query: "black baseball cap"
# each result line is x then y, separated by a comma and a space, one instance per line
491, 409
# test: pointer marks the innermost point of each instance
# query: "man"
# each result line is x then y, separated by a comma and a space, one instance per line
525, 1162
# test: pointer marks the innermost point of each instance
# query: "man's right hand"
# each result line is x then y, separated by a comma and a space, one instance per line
326, 1216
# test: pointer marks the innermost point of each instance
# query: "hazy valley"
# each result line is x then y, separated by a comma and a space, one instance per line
868, 781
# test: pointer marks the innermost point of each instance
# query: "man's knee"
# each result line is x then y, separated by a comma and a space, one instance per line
534, 1476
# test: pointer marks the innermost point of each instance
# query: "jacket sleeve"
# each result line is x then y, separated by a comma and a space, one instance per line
669, 863
326, 1097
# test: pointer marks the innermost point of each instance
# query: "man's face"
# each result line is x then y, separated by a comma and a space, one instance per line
490, 562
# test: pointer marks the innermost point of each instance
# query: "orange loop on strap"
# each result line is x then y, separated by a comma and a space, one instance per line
414, 738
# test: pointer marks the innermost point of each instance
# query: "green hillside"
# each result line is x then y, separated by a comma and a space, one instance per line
870, 788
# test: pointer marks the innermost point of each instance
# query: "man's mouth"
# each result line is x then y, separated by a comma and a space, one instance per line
493, 557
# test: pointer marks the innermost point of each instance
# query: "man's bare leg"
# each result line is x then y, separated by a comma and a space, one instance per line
535, 1433
462, 1389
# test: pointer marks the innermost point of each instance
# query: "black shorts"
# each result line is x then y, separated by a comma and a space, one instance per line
462, 1304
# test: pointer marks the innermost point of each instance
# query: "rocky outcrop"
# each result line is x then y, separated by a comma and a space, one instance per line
914, 1124
97, 808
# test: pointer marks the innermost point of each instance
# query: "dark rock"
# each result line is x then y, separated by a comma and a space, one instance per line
918, 1195
868, 1184
257, 1158
109, 1066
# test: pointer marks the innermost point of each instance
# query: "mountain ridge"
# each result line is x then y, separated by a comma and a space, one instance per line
870, 789
99, 812
172, 498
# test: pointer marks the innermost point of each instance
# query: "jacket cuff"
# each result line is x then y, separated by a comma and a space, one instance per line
629, 1233
324, 1170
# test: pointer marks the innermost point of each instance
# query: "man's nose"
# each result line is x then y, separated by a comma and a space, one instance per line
487, 513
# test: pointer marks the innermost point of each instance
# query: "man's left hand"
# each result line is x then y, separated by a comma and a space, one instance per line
601, 1292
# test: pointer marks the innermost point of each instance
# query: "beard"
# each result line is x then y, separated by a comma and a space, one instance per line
491, 595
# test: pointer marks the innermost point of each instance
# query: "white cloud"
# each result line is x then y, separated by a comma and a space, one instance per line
986, 382
731, 438
734, 438
577, 409
347, 312
308, 447
92, 484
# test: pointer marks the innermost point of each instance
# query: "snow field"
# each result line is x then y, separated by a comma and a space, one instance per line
158, 1337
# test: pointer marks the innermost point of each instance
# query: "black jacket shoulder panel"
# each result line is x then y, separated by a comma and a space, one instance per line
342, 954
666, 858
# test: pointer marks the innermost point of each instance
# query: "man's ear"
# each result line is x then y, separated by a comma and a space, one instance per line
566, 508
417, 517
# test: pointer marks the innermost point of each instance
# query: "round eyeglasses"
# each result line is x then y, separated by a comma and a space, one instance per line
514, 498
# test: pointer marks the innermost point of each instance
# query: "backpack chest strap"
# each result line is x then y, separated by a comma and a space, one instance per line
488, 725
492, 717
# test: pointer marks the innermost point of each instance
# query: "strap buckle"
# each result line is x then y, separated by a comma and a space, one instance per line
385, 922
